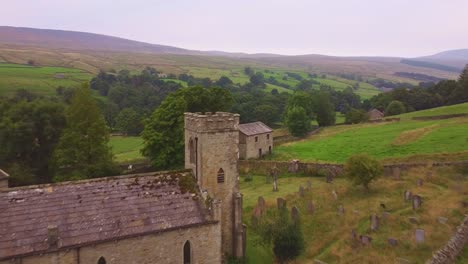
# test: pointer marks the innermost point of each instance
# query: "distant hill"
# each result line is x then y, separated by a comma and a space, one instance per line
459, 54
72, 40
450, 60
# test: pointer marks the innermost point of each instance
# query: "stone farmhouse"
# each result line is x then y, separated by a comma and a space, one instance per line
188, 216
255, 140
375, 114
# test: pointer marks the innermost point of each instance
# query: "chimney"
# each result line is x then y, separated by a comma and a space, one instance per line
52, 236
3, 180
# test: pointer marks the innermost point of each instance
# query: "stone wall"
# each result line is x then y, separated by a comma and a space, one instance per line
454, 246
439, 117
166, 247
263, 167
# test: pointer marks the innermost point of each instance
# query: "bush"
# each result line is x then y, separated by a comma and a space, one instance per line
297, 121
395, 108
362, 169
355, 116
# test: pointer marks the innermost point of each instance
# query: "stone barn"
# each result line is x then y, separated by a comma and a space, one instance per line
255, 140
186, 216
375, 114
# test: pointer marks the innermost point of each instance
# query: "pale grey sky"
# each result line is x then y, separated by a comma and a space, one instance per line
406, 28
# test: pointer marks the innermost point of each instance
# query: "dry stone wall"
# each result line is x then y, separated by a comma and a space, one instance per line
454, 246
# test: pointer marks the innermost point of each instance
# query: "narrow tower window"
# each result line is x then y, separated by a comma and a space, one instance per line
221, 176
187, 253
191, 151
101, 260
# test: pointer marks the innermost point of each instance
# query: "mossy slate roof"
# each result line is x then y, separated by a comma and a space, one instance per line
91, 211
254, 128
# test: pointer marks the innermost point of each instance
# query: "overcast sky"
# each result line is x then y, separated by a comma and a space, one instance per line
406, 28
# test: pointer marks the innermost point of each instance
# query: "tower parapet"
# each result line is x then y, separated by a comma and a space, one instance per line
211, 122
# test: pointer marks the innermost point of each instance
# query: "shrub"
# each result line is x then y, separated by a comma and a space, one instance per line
362, 169
395, 108
355, 116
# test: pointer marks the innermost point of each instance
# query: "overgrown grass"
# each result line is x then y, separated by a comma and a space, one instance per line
328, 234
41, 80
336, 144
127, 149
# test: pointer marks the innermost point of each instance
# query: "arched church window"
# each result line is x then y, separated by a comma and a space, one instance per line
191, 151
221, 176
187, 253
101, 260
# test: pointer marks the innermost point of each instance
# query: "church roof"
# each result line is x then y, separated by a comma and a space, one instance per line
90, 211
254, 128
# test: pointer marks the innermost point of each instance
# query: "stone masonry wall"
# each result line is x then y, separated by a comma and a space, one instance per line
453, 247
166, 247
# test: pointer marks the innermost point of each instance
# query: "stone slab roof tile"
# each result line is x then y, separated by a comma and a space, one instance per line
95, 210
254, 128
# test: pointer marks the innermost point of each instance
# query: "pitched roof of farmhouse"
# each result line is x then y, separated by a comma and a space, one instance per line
254, 128
96, 210
375, 114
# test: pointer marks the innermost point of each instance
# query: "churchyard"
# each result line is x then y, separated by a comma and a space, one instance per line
404, 217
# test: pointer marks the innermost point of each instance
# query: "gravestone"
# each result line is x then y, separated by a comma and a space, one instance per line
293, 166
365, 240
420, 182
413, 220
392, 241
301, 191
335, 195
408, 196
261, 204
257, 214
396, 173
419, 235
374, 220
281, 203
341, 209
353, 234
417, 201
295, 214
275, 173
442, 220
310, 207
309, 186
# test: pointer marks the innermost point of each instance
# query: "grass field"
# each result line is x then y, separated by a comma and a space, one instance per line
382, 141
126, 149
328, 234
41, 80
444, 110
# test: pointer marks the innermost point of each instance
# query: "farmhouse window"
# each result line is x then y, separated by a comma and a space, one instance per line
256, 139
268, 136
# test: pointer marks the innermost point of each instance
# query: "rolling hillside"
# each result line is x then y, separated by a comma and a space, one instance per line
92, 52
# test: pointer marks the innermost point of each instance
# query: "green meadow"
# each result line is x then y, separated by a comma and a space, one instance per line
41, 80
444, 110
126, 149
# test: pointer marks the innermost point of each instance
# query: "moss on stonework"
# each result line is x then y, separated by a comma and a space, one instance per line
187, 184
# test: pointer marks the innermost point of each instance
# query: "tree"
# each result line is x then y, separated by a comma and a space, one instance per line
283, 234
257, 79
355, 116
395, 108
164, 131
266, 113
29, 132
325, 110
224, 82
297, 121
362, 169
128, 121
249, 71
83, 151
460, 94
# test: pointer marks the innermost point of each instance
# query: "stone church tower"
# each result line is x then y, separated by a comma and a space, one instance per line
212, 152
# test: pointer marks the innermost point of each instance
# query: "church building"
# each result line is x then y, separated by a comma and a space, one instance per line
187, 216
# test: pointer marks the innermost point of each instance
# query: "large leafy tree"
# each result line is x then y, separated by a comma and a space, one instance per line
324, 109
83, 151
297, 121
164, 131
128, 121
29, 132
395, 108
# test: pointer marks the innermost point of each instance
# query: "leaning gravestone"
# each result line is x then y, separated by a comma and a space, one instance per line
261, 203
392, 241
419, 235
408, 196
310, 207
374, 220
281, 203
416, 202
301, 191
365, 240
295, 214
293, 166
